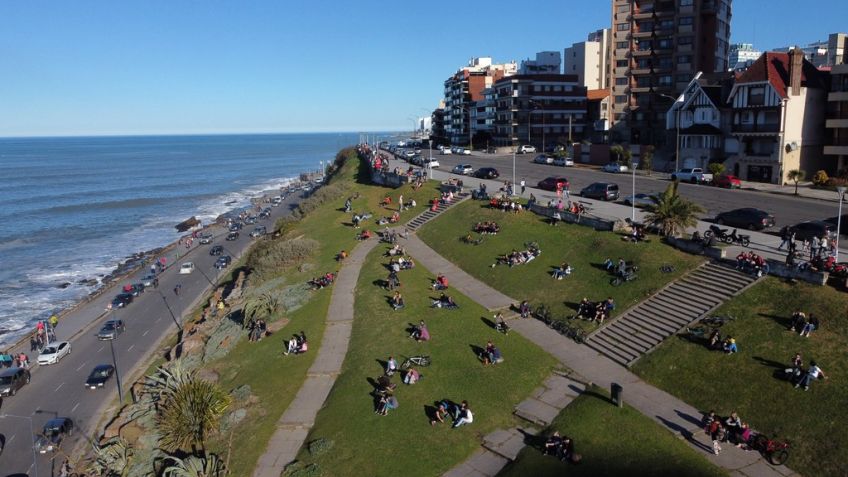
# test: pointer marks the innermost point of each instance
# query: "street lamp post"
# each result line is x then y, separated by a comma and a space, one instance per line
677, 142
117, 373
633, 200
529, 123
841, 191
32, 434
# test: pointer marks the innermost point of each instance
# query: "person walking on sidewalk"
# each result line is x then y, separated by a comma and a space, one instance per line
523, 186
177, 289
786, 236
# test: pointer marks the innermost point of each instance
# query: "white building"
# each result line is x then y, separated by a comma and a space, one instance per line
742, 55
589, 60
546, 62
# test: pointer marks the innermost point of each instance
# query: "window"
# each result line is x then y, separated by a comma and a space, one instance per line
621, 98
756, 95
621, 44
683, 78
666, 24
684, 40
622, 8
665, 62
686, 3
621, 63
665, 80
664, 43
682, 59
622, 27
621, 81
685, 21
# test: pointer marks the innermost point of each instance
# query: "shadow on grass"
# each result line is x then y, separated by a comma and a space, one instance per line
769, 362
488, 322
784, 321
478, 351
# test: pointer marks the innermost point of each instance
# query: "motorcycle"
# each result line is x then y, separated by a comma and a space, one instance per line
733, 238
717, 232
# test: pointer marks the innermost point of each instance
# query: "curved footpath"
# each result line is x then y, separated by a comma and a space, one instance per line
294, 425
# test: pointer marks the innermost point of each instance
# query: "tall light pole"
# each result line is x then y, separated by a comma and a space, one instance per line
677, 142
841, 191
529, 123
32, 438
633, 201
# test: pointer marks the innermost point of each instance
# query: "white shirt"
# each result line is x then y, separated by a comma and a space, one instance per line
814, 371
468, 416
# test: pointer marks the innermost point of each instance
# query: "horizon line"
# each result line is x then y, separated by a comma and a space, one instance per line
62, 136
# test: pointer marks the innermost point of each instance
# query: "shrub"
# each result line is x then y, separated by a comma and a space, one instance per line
820, 178
321, 196
836, 182
320, 446
716, 169
299, 469
269, 256
646, 159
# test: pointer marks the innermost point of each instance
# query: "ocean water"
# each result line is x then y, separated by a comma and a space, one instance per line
74, 208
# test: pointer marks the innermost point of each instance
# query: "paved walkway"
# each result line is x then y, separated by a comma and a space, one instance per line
294, 425
667, 410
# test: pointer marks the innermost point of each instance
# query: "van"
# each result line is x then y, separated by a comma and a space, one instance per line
13, 379
601, 190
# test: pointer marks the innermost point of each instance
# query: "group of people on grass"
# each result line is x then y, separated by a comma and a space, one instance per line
487, 227
750, 262
460, 413
797, 374
561, 447
296, 345
725, 344
730, 429
562, 271
519, 257
595, 311
802, 324
505, 204
491, 354
322, 281
256, 329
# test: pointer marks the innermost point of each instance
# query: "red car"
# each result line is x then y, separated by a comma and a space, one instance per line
727, 181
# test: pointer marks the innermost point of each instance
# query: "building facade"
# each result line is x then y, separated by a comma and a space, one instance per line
589, 60
483, 119
778, 108
463, 89
542, 110
824, 53
657, 46
836, 149
546, 62
742, 55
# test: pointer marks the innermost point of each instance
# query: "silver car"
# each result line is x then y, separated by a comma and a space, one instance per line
111, 330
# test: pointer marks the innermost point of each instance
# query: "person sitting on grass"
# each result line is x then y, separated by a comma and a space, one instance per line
386, 404
463, 416
420, 332
799, 320
715, 339
364, 235
491, 355
397, 301
391, 366
440, 414
812, 325
441, 282
563, 271
341, 256
553, 444
813, 372
585, 309
730, 345
296, 345
412, 376
392, 281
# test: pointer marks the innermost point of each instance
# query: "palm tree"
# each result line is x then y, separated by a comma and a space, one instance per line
188, 408
260, 306
671, 213
618, 151
193, 466
796, 176
112, 459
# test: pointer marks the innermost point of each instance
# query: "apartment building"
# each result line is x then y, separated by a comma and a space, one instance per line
742, 55
546, 62
778, 107
824, 53
590, 60
483, 119
542, 110
465, 87
836, 148
657, 47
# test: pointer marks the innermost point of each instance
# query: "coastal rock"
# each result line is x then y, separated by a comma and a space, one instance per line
188, 224
225, 336
207, 374
88, 282
241, 393
63, 285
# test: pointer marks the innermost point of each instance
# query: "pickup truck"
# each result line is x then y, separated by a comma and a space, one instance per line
693, 175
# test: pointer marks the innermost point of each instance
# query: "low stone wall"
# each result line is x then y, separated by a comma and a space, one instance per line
388, 179
696, 248
586, 220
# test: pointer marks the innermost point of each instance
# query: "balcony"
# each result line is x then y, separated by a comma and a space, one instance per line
838, 96
836, 123
642, 53
836, 150
643, 34
751, 128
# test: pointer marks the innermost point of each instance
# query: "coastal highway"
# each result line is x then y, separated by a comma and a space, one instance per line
57, 390
786, 209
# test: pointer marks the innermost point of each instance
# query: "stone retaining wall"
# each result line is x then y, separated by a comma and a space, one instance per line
568, 217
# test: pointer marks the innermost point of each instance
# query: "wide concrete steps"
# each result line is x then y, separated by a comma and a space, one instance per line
430, 214
642, 328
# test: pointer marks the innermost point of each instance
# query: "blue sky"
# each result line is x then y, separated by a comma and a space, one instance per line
169, 67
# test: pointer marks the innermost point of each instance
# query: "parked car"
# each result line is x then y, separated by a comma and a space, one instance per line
206, 238
466, 152
409, 154
250, 220
487, 173
186, 268
51, 354
463, 169
430, 162
526, 149
150, 281
99, 376
600, 190
111, 330
12, 380
811, 229
746, 218
640, 200
121, 300
223, 262
53, 433
134, 289
235, 226
232, 236
563, 161
614, 167
258, 231
550, 183
727, 181
216, 250
265, 213
694, 175
543, 159
445, 151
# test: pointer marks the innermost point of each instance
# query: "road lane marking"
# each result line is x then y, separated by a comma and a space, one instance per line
100, 349
158, 320
59, 387
11, 438
80, 366
145, 333
75, 408
130, 348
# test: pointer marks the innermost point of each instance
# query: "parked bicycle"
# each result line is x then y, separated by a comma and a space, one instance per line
629, 275
667, 268
562, 327
420, 361
776, 452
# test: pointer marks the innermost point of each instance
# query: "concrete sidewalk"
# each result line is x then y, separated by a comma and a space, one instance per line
668, 411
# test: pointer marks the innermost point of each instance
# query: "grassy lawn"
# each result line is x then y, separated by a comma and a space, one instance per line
612, 442
404, 443
580, 246
275, 380
745, 382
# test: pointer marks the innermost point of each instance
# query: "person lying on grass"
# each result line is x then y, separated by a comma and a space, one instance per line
487, 228
386, 404
445, 301
563, 271
517, 257
411, 377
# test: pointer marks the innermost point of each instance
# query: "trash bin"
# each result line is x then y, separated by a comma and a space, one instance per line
616, 393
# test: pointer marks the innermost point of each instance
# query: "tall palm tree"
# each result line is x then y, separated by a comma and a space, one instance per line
671, 213
112, 459
193, 466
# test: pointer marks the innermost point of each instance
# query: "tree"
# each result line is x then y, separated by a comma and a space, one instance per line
671, 213
616, 151
260, 306
796, 176
112, 459
716, 169
188, 408
646, 159
194, 466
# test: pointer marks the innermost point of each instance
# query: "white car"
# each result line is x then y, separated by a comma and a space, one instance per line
430, 162
526, 148
186, 268
466, 152
463, 169
564, 161
54, 352
445, 151
615, 167
543, 159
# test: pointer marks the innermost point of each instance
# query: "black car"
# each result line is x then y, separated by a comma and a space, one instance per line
217, 250
13, 379
550, 183
266, 212
811, 229
232, 236
53, 433
746, 218
601, 190
122, 300
223, 262
487, 173
250, 220
99, 375
235, 226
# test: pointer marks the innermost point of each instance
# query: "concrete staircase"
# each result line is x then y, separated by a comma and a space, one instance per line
429, 215
642, 328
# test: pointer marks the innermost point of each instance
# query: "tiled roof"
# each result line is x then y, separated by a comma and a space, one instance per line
597, 94
774, 68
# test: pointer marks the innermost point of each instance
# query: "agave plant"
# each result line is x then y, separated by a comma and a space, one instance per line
671, 213
260, 306
112, 458
194, 466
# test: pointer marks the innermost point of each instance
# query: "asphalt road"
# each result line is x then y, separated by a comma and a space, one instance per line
787, 210
57, 390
